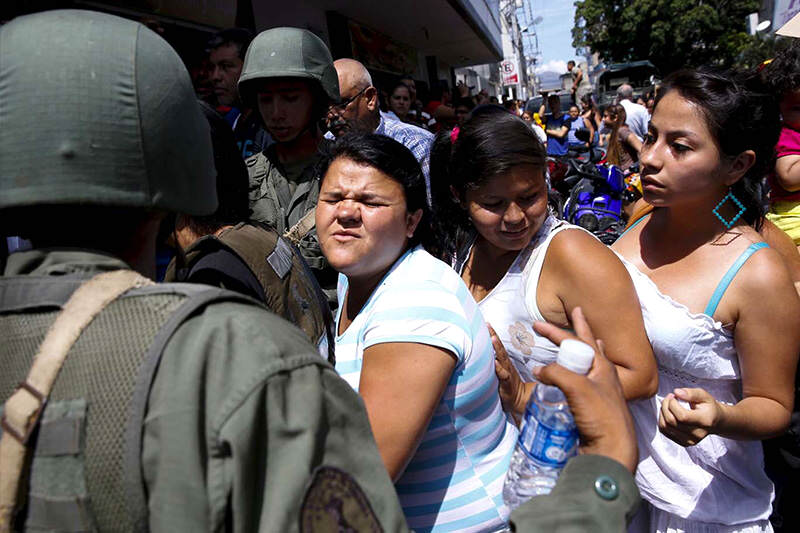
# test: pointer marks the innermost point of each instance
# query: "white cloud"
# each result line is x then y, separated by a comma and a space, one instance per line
554, 65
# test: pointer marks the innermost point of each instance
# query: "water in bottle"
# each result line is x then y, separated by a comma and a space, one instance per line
548, 437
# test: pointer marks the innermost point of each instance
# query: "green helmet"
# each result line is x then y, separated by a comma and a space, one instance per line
96, 109
288, 53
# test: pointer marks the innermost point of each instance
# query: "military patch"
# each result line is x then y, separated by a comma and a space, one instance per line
334, 502
281, 258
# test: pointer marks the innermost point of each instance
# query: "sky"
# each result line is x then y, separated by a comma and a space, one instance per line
555, 33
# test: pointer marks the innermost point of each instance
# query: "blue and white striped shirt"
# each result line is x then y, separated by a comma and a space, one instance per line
454, 482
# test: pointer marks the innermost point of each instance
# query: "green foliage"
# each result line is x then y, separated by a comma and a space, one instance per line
670, 33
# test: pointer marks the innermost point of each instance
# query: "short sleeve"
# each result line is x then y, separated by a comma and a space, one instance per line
424, 315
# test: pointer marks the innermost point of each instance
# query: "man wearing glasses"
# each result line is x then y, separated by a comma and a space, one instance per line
359, 111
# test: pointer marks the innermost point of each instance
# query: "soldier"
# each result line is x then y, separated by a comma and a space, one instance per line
225, 250
172, 407
288, 75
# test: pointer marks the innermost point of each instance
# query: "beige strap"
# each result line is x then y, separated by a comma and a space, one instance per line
297, 232
22, 410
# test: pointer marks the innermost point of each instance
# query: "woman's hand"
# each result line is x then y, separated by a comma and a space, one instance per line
514, 393
685, 426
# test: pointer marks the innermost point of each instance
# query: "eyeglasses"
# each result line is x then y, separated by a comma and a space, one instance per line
341, 106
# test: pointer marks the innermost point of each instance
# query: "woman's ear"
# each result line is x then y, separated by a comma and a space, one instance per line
739, 166
412, 221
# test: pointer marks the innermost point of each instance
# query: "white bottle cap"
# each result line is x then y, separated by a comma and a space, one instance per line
576, 356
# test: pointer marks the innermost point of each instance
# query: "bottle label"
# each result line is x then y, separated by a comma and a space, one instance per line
544, 443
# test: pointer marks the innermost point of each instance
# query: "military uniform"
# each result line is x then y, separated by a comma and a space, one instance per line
241, 413
256, 261
281, 195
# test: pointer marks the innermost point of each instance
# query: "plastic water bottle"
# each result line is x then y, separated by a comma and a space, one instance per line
548, 437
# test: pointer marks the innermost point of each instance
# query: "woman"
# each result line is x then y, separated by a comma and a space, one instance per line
623, 144
590, 112
522, 264
411, 340
400, 101
719, 307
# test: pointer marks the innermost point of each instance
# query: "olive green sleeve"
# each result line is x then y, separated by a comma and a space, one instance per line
593, 493
244, 415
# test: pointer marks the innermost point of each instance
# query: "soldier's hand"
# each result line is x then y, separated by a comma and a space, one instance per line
596, 400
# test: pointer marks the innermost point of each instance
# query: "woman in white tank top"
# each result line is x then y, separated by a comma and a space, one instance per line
520, 263
719, 307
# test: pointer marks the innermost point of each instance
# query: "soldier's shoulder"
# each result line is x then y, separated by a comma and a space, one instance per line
244, 332
258, 165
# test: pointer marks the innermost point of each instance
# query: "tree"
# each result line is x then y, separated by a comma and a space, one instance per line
670, 33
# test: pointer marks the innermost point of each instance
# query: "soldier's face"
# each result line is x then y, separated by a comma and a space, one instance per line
286, 105
362, 220
225, 70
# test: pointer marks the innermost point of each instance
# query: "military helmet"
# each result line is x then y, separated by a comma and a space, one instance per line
96, 109
288, 53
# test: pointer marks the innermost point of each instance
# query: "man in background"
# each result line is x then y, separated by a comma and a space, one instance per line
226, 52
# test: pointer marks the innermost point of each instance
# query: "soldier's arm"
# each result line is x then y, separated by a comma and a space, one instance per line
249, 429
593, 493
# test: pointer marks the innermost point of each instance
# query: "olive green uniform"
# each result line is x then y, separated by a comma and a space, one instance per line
241, 412
281, 195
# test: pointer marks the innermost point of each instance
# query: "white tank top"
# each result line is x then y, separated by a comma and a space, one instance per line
510, 307
719, 480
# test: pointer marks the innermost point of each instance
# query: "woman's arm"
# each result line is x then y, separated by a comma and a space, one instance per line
634, 141
767, 338
588, 124
401, 384
584, 273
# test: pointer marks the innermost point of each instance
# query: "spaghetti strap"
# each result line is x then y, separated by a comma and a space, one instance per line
729, 275
634, 225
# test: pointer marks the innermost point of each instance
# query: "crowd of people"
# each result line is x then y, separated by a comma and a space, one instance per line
361, 291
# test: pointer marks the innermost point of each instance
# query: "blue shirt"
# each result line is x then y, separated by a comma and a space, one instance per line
556, 146
454, 481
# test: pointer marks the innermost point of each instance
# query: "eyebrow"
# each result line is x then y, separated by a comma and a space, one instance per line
675, 133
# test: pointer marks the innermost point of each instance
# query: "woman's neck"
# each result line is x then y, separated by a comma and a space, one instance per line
687, 227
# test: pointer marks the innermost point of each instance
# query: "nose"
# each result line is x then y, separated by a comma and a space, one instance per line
216, 73
513, 215
649, 156
348, 212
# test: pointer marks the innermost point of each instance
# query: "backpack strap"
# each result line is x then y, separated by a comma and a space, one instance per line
297, 232
23, 408
729, 275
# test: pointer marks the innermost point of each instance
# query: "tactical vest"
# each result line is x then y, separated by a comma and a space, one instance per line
86, 472
280, 211
289, 288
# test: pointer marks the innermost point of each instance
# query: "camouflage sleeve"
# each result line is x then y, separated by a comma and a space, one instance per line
593, 493
249, 429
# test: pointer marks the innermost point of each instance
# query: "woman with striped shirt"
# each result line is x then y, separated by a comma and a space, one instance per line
412, 341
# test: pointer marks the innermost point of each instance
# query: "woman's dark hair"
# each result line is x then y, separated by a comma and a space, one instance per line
782, 75
394, 160
617, 113
490, 142
740, 116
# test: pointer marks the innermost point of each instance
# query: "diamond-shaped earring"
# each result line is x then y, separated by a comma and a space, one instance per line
729, 223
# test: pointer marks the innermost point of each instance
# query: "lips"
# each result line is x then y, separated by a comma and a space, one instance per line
648, 182
514, 234
344, 236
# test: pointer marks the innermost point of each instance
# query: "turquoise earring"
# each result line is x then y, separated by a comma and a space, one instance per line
729, 223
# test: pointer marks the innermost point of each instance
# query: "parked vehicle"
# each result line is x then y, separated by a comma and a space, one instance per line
641, 75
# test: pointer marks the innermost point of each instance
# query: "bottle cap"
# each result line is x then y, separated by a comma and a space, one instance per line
576, 356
